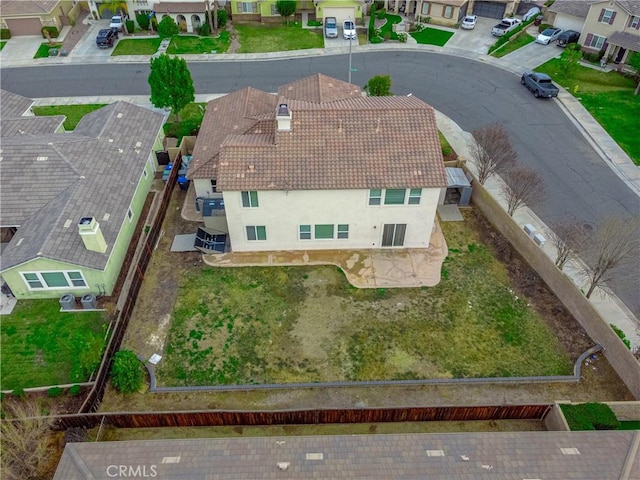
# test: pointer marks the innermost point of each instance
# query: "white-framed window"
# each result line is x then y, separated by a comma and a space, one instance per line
447, 11
274, 10
343, 231
54, 280
304, 232
394, 196
607, 16
375, 196
130, 214
248, 7
634, 22
323, 232
250, 199
426, 8
595, 41
256, 232
414, 196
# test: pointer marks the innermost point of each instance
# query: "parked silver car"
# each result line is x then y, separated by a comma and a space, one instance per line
331, 27
549, 35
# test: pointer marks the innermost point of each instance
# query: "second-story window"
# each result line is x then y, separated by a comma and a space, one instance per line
249, 199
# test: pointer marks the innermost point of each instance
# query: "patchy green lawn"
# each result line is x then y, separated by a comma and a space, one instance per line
189, 124
136, 46
308, 324
514, 44
74, 113
43, 346
432, 36
43, 49
192, 44
608, 97
259, 38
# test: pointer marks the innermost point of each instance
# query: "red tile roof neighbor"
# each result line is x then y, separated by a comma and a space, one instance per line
337, 139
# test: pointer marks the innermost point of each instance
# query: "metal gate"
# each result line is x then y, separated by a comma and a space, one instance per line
489, 9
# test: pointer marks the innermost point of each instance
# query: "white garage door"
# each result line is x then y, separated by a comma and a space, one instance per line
341, 13
567, 22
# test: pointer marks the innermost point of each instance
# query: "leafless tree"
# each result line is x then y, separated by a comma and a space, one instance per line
616, 241
491, 150
25, 441
569, 238
521, 185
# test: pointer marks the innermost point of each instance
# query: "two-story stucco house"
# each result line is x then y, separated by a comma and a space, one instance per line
71, 200
612, 27
265, 10
318, 166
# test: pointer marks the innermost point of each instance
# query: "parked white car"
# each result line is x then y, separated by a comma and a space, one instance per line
116, 22
349, 30
469, 22
549, 35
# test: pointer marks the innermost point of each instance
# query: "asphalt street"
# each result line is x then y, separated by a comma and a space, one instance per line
579, 185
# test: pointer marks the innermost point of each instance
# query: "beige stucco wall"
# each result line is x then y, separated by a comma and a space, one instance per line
593, 26
282, 212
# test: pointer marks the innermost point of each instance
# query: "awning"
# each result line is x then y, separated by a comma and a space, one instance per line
625, 40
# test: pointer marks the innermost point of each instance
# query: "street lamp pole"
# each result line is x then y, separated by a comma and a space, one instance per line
349, 59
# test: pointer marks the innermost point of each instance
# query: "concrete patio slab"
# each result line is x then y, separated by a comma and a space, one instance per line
450, 213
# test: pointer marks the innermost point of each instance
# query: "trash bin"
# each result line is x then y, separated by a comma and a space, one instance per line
538, 21
67, 302
183, 183
89, 301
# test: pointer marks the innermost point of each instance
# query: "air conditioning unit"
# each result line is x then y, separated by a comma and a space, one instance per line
539, 239
529, 229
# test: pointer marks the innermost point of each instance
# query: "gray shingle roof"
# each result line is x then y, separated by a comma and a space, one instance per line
574, 8
338, 140
631, 6
625, 40
54, 179
13, 105
466, 456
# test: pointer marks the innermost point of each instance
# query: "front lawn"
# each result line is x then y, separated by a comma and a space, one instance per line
513, 44
608, 97
44, 48
308, 324
191, 44
432, 36
74, 113
258, 38
2, 44
43, 346
136, 46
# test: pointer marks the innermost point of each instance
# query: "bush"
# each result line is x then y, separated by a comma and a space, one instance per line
593, 57
53, 32
126, 372
223, 17
185, 128
378, 4
590, 416
314, 23
74, 390
5, 34
380, 14
143, 21
204, 30
54, 392
167, 27
18, 393
131, 26
621, 335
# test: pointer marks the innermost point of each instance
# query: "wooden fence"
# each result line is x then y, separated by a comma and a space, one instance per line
215, 418
92, 402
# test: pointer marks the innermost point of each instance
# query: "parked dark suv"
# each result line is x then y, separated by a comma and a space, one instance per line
567, 37
107, 37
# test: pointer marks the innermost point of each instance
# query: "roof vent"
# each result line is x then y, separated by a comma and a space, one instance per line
570, 451
110, 140
283, 465
120, 115
67, 224
42, 158
314, 456
171, 459
435, 453
283, 116
138, 144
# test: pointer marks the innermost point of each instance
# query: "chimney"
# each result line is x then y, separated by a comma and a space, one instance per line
91, 235
283, 116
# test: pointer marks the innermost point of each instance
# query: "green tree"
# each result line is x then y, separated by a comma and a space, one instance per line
570, 59
634, 61
116, 7
167, 27
171, 83
286, 8
126, 372
379, 86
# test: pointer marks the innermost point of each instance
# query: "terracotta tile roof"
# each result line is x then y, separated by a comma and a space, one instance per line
338, 140
179, 7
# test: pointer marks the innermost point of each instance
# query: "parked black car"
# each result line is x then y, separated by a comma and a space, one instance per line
567, 37
107, 37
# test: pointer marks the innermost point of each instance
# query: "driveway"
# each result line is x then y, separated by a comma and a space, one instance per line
534, 54
340, 41
477, 40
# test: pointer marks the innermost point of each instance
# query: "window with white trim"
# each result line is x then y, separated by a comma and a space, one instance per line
343, 231
274, 10
304, 232
414, 196
607, 16
394, 196
256, 232
323, 232
247, 7
250, 199
54, 280
634, 22
426, 7
375, 196
447, 11
597, 42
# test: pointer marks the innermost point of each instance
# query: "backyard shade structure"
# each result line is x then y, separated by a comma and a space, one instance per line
456, 179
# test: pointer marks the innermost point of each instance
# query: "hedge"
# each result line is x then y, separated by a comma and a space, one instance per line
53, 32
505, 38
5, 34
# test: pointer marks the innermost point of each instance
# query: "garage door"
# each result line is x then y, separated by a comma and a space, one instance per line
489, 9
24, 26
341, 13
106, 12
567, 22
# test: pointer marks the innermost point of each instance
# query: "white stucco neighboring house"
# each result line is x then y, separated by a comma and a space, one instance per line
318, 166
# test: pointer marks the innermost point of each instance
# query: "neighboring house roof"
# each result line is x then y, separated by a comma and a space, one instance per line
51, 180
436, 456
574, 8
12, 105
338, 140
179, 7
18, 8
30, 125
631, 6
625, 40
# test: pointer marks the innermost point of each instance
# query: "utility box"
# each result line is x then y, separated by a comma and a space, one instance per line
529, 229
539, 239
89, 301
67, 302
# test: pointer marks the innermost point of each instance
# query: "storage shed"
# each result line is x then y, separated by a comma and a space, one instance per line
458, 189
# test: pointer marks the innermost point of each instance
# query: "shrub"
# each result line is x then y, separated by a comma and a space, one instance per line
593, 57
54, 392
402, 37
314, 23
204, 30
167, 27
621, 335
372, 24
223, 17
53, 32
131, 26
143, 21
5, 34
378, 4
380, 14
126, 372
590, 416
18, 392
74, 390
